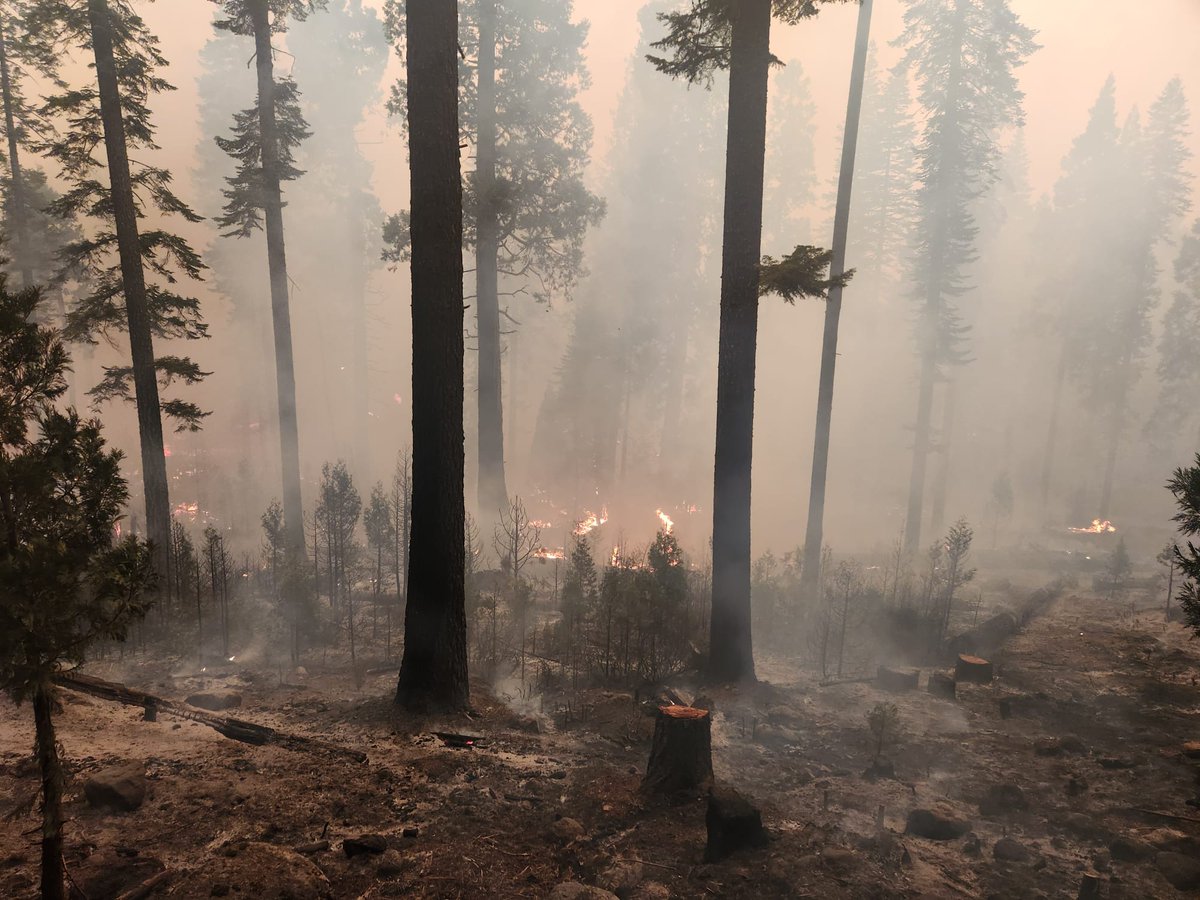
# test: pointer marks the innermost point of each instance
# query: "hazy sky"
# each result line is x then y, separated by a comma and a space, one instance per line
1082, 42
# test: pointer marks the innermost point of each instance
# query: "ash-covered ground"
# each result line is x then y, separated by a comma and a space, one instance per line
1071, 771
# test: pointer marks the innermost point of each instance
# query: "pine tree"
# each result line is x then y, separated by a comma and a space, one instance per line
709, 36
131, 270
526, 203
32, 234
65, 582
1179, 348
263, 142
341, 55
963, 54
433, 672
884, 177
814, 531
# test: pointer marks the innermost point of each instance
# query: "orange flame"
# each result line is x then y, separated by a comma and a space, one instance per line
1097, 527
591, 522
667, 521
550, 553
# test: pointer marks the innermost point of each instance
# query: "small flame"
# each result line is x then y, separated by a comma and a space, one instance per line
540, 523
167, 450
399, 400
187, 509
591, 522
615, 559
550, 553
1097, 527
667, 521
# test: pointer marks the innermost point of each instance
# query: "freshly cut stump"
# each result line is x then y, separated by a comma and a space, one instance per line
733, 824
681, 756
889, 679
973, 669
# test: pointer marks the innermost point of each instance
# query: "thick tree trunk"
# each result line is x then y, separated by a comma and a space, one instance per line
942, 483
731, 655
133, 283
433, 673
810, 573
16, 212
490, 485
53, 872
281, 317
1052, 431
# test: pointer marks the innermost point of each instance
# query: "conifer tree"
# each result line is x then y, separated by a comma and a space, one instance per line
65, 581
263, 143
132, 267
526, 203
433, 671
341, 55
963, 54
1179, 348
706, 37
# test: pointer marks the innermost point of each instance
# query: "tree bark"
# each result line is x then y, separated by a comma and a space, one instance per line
360, 405
17, 210
810, 573
491, 488
53, 871
433, 673
942, 482
1052, 431
281, 317
133, 282
681, 755
731, 655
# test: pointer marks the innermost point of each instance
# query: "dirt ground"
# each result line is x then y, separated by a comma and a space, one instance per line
1088, 717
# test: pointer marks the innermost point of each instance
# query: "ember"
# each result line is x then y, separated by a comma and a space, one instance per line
591, 522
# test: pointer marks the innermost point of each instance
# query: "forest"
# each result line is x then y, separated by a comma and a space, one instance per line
567, 449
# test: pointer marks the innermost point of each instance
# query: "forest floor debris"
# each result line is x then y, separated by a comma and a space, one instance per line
523, 814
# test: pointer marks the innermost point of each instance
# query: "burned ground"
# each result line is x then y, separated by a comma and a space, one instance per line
1072, 765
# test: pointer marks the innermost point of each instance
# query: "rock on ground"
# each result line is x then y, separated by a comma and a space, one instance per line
573, 890
935, 826
121, 788
1182, 871
215, 701
1009, 850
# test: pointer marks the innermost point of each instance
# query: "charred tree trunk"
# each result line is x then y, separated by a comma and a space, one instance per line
133, 284
810, 572
53, 871
16, 198
361, 387
491, 489
1052, 432
681, 755
731, 655
942, 484
433, 673
281, 317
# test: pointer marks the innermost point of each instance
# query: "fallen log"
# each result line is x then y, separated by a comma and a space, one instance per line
234, 729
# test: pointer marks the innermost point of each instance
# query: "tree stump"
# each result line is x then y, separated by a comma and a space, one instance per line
942, 685
681, 756
889, 679
733, 824
973, 669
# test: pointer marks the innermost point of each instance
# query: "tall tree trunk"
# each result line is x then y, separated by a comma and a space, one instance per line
1110, 459
433, 673
133, 283
731, 655
810, 573
931, 315
360, 406
281, 317
490, 485
942, 482
1052, 432
16, 198
53, 871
